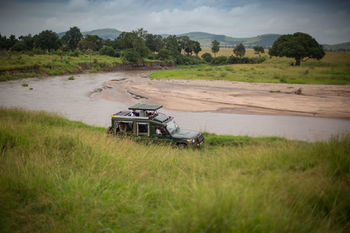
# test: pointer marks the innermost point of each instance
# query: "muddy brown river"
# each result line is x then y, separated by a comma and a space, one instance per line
73, 99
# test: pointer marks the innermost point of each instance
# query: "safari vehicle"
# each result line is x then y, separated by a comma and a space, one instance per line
145, 122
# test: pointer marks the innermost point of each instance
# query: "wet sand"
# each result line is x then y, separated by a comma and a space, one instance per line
331, 101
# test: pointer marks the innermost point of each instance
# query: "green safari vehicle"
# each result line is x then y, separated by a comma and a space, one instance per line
145, 122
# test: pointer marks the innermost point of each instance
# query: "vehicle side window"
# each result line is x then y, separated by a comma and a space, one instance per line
142, 128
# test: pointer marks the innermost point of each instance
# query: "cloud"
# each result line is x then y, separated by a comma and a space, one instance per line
234, 18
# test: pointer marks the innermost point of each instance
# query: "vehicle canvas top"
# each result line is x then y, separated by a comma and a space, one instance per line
150, 107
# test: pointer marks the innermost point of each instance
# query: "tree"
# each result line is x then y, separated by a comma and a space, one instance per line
72, 38
196, 47
47, 40
154, 42
239, 50
173, 45
258, 49
90, 42
298, 46
7, 43
188, 45
215, 46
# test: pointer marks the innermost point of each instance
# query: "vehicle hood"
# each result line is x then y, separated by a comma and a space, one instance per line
185, 134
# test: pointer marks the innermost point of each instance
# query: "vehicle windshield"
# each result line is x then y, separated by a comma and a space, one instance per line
172, 127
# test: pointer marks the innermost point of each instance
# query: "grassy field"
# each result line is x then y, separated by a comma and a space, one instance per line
334, 68
62, 176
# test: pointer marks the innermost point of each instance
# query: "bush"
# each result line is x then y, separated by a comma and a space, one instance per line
131, 56
163, 54
245, 60
109, 51
221, 60
19, 46
207, 57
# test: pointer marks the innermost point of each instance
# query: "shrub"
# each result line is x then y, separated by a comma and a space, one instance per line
109, 51
221, 60
131, 56
207, 57
164, 54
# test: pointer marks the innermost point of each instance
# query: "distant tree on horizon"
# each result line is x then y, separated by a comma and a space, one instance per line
47, 40
258, 49
215, 46
298, 46
72, 38
239, 50
196, 47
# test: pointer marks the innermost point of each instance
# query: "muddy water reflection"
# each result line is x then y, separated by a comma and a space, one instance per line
71, 99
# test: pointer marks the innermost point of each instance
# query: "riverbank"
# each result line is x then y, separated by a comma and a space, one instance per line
62, 176
18, 66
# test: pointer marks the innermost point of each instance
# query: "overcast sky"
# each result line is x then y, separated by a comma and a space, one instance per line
327, 21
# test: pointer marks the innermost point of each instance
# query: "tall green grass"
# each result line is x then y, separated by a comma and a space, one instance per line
63, 176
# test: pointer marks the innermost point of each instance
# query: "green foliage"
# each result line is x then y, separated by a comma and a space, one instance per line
215, 46
131, 56
239, 50
164, 54
154, 42
297, 46
221, 60
71, 78
196, 47
258, 49
207, 57
47, 40
72, 38
109, 51
90, 42
62, 176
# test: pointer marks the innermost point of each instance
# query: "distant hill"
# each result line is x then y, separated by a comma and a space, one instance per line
337, 47
205, 39
105, 33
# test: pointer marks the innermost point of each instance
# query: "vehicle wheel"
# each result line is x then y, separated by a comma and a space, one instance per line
110, 130
181, 145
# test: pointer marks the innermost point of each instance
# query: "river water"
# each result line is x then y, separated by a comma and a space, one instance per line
71, 98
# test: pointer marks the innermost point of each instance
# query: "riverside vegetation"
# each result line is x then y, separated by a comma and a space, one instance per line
58, 175
334, 68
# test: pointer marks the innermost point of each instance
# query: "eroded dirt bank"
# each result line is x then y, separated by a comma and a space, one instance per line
231, 97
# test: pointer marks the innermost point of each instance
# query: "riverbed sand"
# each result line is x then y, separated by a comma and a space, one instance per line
231, 97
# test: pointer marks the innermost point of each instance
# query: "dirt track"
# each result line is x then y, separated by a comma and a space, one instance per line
231, 97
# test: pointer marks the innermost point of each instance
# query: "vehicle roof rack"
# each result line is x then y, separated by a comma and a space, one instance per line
151, 107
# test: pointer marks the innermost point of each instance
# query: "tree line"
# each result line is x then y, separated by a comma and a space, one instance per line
133, 46
136, 46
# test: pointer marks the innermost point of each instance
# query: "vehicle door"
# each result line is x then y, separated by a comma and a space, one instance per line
161, 134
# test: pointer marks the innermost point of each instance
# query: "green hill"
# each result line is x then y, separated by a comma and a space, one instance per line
106, 33
338, 47
205, 39
62, 176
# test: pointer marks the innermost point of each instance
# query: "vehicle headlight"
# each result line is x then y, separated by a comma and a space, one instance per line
190, 140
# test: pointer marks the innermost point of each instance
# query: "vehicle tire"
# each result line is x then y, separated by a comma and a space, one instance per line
181, 145
110, 130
